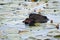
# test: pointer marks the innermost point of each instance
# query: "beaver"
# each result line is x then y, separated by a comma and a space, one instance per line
35, 18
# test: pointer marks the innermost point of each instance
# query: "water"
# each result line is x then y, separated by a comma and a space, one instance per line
11, 23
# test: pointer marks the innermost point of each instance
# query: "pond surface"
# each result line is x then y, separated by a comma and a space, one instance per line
11, 23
